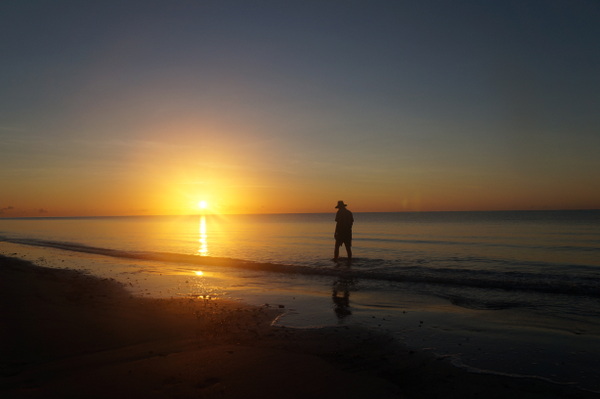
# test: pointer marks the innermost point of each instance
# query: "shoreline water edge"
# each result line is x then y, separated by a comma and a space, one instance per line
68, 333
506, 294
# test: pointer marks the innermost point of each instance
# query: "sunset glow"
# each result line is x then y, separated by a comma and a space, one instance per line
198, 113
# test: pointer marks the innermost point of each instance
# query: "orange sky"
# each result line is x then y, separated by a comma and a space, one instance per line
290, 108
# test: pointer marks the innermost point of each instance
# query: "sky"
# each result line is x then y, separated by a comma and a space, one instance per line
148, 107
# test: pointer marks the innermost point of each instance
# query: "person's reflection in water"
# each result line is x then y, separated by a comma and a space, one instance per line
341, 296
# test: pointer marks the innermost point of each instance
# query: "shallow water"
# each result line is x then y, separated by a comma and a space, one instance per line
508, 292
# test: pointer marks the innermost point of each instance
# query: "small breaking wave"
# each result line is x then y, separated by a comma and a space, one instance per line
398, 271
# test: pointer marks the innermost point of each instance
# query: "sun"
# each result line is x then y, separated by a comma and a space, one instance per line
202, 204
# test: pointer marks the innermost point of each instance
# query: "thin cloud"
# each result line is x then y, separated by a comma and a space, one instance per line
12, 129
6, 209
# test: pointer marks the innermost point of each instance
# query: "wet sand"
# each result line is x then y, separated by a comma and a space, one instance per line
66, 334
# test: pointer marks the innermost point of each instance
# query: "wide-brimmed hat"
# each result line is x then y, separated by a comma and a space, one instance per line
341, 204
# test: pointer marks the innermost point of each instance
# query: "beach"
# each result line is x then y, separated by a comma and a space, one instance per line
177, 178
68, 334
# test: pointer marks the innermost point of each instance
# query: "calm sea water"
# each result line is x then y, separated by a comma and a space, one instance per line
506, 292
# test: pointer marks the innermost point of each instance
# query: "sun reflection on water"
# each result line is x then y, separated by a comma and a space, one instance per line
203, 240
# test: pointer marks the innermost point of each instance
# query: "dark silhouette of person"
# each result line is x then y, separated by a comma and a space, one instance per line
343, 230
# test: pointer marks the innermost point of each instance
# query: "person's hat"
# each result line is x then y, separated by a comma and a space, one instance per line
341, 204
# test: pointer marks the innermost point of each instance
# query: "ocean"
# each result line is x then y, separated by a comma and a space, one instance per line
507, 292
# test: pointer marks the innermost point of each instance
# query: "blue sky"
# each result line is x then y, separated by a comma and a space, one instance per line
390, 105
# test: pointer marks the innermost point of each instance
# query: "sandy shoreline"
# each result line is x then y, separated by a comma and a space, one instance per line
69, 335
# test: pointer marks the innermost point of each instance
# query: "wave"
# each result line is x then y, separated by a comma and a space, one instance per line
362, 268
592, 245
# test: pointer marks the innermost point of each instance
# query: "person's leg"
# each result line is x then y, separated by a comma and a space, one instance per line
336, 251
348, 245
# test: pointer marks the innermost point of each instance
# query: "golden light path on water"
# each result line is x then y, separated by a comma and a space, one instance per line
203, 239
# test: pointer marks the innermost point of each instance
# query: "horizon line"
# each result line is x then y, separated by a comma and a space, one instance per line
294, 213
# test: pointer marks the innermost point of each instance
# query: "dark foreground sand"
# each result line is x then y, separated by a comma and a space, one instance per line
68, 335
